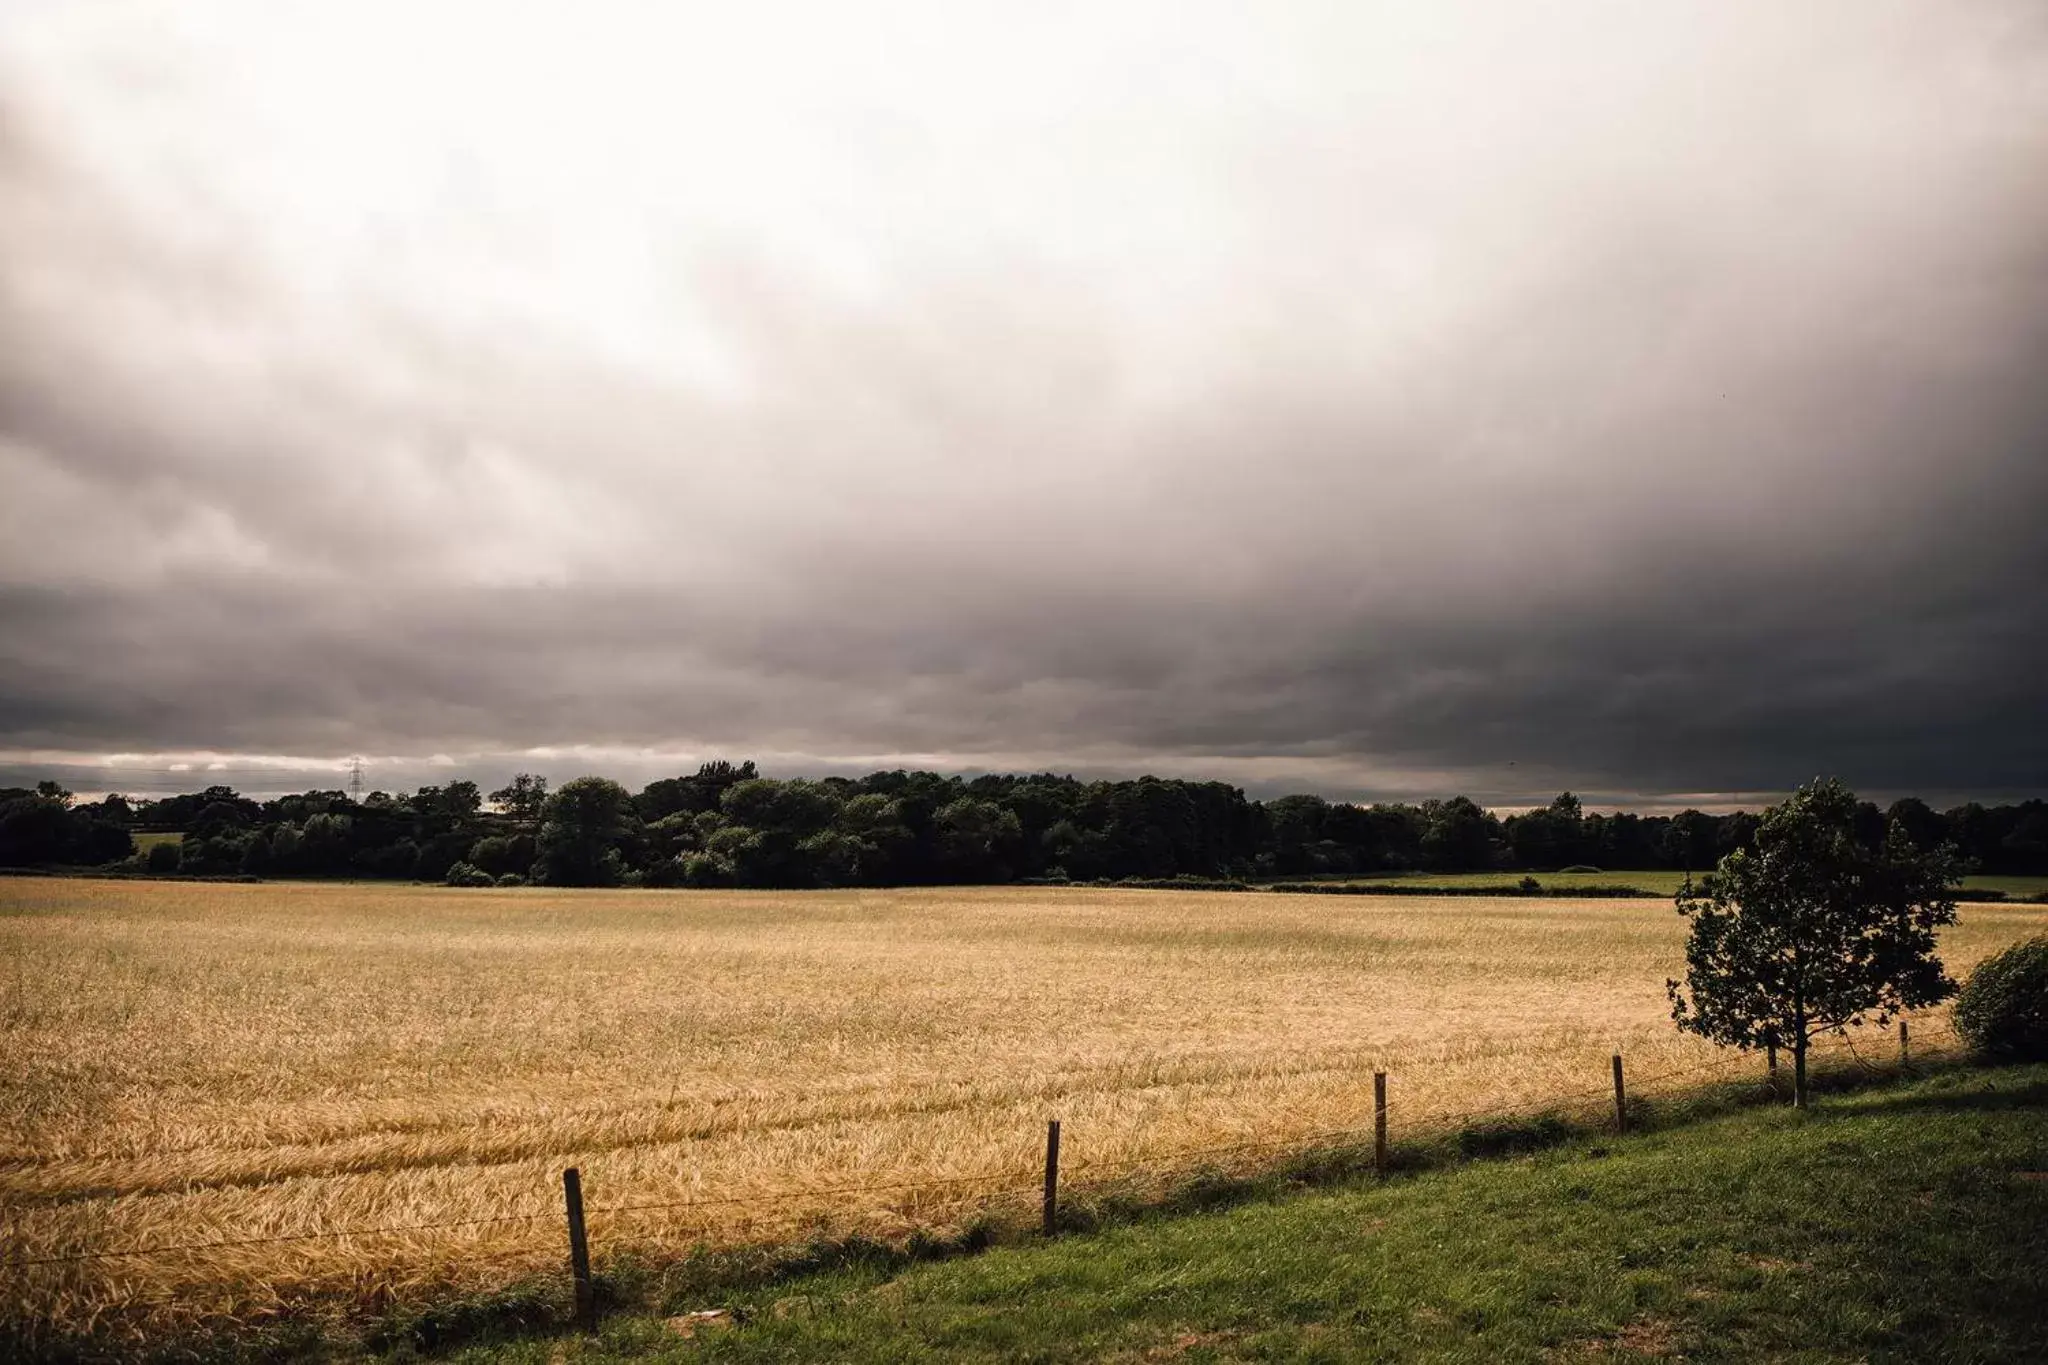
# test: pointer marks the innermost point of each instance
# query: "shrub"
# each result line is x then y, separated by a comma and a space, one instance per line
707, 869
214, 855
499, 854
511, 879
164, 857
468, 874
1530, 884
668, 872
2003, 1010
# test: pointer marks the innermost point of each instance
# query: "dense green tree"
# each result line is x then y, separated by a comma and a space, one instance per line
1734, 831
1813, 930
222, 818
325, 843
586, 828
1297, 828
213, 854
115, 809
761, 857
1623, 839
178, 812
285, 849
691, 795
832, 858
797, 808
1068, 850
707, 869
41, 828
438, 809
885, 829
2026, 846
33, 830
1921, 826
885, 844
1551, 836
1397, 835
503, 854
524, 799
256, 852
397, 860
1457, 835
977, 841
1689, 841
299, 808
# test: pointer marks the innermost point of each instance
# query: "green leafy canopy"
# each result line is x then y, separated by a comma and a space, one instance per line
1815, 929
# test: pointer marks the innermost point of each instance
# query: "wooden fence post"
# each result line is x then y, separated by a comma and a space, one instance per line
1905, 1050
1379, 1122
579, 1251
1052, 1173
1620, 1099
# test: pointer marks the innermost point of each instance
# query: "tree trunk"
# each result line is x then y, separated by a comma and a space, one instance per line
1799, 1040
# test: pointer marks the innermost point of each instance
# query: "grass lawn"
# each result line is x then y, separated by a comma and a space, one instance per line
1903, 1223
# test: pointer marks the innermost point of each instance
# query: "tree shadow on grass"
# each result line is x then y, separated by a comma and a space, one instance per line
2031, 1095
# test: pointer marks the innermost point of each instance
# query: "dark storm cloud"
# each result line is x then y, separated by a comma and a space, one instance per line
1650, 405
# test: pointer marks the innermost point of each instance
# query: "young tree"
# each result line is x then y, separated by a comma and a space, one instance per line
1813, 930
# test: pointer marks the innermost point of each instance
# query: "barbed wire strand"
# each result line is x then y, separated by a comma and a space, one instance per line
796, 1196
767, 1220
339, 1234
1309, 1144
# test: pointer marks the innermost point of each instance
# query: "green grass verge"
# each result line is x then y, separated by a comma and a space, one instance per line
1905, 1223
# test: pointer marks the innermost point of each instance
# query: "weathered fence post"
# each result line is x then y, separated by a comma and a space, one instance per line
1052, 1173
586, 1298
579, 1251
1379, 1122
1905, 1050
1620, 1099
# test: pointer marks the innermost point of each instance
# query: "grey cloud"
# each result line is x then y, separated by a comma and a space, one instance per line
1662, 416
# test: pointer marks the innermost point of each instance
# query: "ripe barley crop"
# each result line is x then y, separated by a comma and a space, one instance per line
191, 1063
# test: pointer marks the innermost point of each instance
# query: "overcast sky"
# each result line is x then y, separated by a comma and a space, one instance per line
1383, 399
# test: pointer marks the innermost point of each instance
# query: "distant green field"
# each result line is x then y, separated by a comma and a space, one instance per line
1666, 883
2011, 886
1647, 881
145, 842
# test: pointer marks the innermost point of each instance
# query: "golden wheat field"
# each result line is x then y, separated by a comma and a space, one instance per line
237, 1064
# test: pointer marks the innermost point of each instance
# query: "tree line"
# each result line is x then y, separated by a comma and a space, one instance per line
727, 825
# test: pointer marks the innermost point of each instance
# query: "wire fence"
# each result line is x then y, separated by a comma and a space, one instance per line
987, 1187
